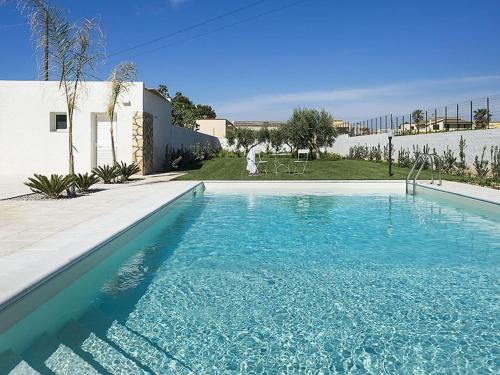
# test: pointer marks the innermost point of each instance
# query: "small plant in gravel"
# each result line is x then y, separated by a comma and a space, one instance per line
107, 173
127, 170
51, 187
83, 182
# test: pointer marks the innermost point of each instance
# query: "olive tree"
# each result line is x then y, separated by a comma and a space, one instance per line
312, 129
242, 138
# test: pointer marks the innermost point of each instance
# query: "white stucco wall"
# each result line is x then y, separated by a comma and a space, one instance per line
28, 146
475, 140
167, 134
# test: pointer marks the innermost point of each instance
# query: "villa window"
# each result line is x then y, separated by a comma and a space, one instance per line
58, 122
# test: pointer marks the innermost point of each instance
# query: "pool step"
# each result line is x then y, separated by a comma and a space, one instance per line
72, 335
39, 351
13, 364
65, 361
109, 357
134, 345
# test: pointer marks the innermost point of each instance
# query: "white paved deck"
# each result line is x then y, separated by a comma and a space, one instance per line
39, 237
466, 190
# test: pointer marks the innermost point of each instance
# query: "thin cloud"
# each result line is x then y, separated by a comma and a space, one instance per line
177, 2
360, 103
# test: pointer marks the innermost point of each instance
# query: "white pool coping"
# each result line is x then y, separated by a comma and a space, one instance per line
337, 187
460, 189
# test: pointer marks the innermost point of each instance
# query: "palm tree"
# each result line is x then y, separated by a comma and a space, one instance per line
482, 118
73, 50
418, 117
121, 78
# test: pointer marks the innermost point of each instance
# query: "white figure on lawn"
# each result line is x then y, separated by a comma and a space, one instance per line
251, 166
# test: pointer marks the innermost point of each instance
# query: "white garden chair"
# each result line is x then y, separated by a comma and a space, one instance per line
301, 162
261, 164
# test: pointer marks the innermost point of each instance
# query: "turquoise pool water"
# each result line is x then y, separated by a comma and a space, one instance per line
286, 284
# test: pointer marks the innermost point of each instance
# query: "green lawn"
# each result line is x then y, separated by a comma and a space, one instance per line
233, 168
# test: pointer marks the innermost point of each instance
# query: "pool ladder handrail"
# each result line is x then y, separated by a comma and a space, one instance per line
422, 160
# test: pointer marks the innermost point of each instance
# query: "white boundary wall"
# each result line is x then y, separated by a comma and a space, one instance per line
475, 141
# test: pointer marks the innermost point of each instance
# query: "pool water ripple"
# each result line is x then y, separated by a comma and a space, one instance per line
315, 284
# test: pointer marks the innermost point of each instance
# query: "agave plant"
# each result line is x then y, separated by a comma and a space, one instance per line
83, 182
106, 173
51, 187
127, 170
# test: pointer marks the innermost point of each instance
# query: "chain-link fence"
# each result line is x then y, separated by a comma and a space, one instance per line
483, 113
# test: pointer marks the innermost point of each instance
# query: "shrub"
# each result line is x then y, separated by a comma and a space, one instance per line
83, 182
449, 160
462, 165
332, 156
202, 151
404, 159
481, 166
375, 153
495, 162
126, 171
359, 152
183, 158
107, 173
385, 154
51, 188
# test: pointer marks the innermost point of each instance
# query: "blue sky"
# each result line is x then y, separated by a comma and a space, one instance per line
354, 58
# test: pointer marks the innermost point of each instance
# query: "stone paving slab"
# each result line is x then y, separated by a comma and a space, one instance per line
39, 237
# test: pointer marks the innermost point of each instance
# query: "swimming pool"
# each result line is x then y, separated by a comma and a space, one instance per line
266, 283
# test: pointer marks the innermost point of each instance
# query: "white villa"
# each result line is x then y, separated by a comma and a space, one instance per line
34, 128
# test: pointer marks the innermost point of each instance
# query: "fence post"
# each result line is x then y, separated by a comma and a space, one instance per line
435, 117
426, 124
488, 111
457, 116
446, 118
471, 118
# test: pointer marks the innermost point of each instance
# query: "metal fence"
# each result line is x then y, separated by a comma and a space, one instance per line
483, 113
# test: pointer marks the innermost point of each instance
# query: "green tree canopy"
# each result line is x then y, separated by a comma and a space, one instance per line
241, 138
185, 112
277, 138
204, 111
312, 129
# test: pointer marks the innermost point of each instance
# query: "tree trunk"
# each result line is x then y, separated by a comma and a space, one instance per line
71, 190
113, 152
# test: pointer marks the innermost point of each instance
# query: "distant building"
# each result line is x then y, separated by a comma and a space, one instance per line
341, 126
449, 123
437, 124
257, 125
214, 127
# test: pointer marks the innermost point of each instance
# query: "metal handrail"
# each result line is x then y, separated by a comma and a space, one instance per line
422, 159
